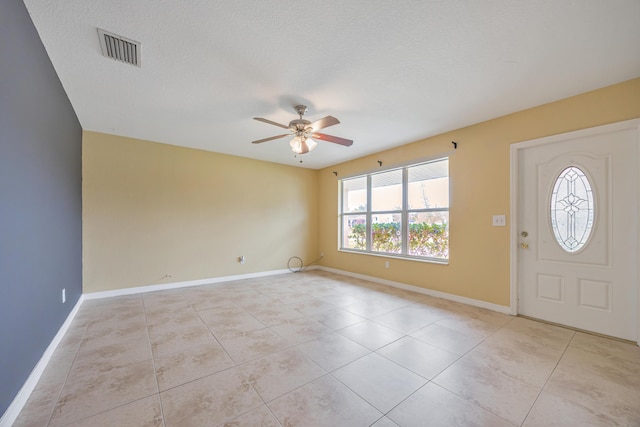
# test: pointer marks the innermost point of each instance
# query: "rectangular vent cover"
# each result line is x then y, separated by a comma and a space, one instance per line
119, 48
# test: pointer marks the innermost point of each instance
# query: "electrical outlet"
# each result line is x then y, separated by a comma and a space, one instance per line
64, 295
241, 259
499, 220
386, 264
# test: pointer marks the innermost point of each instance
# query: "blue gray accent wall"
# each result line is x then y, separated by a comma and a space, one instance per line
40, 200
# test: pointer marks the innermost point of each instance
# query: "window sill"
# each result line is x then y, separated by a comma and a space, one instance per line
396, 256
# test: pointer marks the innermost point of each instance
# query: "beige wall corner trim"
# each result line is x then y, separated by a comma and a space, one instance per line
14, 409
451, 297
176, 285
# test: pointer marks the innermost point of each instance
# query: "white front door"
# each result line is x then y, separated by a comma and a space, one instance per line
577, 226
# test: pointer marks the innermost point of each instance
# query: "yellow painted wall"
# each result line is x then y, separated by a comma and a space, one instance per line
479, 174
151, 210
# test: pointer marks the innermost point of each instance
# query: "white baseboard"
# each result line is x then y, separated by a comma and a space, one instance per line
12, 412
469, 301
177, 285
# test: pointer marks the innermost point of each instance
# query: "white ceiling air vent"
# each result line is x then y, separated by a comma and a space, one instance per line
119, 48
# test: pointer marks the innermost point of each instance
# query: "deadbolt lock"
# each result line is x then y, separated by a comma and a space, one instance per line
524, 234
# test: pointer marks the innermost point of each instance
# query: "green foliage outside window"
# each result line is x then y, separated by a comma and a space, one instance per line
427, 240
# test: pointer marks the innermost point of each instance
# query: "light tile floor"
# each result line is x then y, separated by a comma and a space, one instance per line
320, 349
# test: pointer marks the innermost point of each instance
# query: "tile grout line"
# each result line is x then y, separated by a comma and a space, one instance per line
153, 359
430, 380
238, 365
106, 410
411, 370
463, 356
549, 378
289, 347
293, 346
213, 334
357, 394
75, 356
375, 352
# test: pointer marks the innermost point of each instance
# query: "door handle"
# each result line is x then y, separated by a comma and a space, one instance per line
524, 246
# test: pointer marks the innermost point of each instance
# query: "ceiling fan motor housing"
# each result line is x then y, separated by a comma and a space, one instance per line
298, 124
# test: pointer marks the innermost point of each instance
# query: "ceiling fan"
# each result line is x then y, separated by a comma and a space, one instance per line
303, 131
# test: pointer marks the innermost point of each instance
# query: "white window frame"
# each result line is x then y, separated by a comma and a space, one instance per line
404, 215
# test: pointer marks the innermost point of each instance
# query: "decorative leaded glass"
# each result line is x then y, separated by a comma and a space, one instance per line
572, 209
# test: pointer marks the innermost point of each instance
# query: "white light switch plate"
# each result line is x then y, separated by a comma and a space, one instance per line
499, 220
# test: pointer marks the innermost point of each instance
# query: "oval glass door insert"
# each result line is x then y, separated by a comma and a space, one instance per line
572, 209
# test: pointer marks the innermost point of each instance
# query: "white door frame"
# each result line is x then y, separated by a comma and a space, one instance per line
513, 184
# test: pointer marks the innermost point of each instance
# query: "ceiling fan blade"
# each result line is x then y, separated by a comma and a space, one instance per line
325, 122
331, 138
260, 119
269, 139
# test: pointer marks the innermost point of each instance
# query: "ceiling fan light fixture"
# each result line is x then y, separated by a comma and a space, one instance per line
311, 144
298, 145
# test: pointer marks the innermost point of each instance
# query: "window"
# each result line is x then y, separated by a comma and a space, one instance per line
572, 209
400, 212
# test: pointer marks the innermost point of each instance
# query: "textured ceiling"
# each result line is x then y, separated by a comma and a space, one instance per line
392, 72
